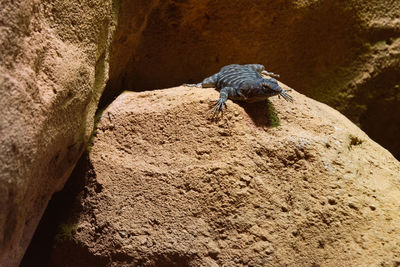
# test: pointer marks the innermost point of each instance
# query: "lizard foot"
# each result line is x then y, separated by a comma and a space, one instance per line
286, 96
219, 107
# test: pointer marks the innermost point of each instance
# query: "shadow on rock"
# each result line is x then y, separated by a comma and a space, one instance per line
262, 113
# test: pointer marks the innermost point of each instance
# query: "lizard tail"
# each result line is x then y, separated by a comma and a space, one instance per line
198, 85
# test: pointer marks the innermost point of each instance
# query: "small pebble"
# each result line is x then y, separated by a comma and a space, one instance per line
332, 201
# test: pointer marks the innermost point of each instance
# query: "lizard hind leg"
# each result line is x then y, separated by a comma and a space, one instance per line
271, 74
210, 81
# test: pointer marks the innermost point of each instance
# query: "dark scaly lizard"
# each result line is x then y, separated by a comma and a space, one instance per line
243, 83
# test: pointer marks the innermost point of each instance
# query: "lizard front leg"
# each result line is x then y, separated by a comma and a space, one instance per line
224, 94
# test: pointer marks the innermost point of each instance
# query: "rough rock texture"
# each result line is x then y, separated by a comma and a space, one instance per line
53, 69
170, 186
343, 53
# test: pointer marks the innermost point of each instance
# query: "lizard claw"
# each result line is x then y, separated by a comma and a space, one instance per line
219, 107
286, 96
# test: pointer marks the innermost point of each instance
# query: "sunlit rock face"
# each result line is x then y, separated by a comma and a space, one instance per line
170, 185
53, 69
345, 54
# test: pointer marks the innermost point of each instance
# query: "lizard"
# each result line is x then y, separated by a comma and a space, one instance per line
243, 83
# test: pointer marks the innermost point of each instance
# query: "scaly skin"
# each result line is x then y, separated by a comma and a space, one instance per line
243, 83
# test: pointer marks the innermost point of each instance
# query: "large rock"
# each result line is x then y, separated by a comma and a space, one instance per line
343, 53
171, 186
53, 69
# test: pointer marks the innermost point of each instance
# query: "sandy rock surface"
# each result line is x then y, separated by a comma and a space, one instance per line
343, 53
170, 186
53, 69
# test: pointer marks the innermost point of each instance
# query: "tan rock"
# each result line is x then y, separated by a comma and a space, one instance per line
343, 53
53, 69
170, 186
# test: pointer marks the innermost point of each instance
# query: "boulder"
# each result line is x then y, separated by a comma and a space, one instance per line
343, 53
53, 69
267, 184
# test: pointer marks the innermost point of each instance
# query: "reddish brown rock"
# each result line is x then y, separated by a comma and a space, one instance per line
53, 69
170, 186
